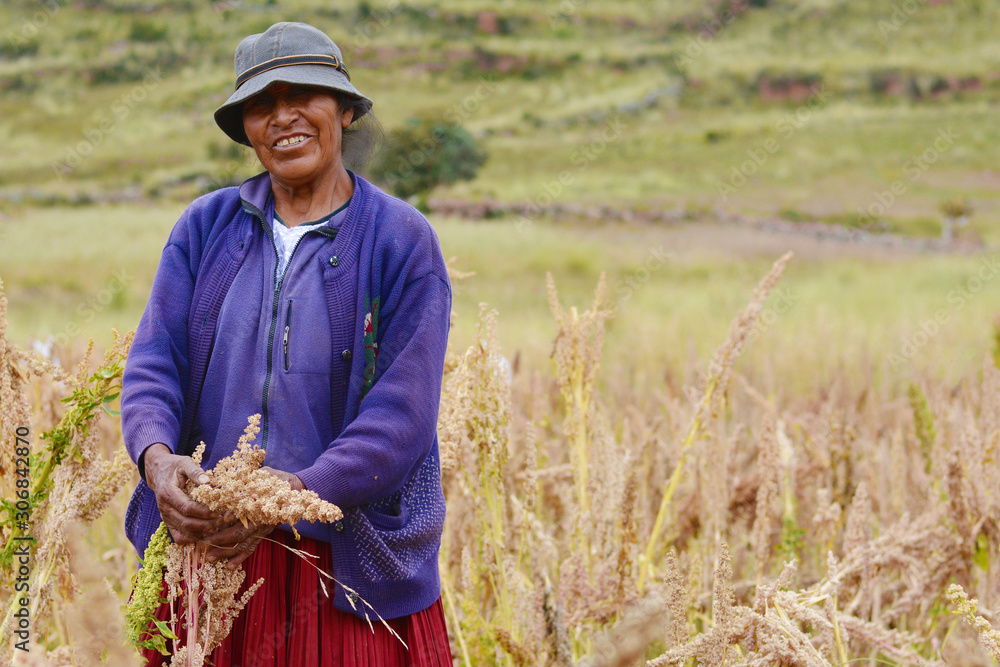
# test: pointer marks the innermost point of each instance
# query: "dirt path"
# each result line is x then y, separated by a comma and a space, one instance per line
818, 231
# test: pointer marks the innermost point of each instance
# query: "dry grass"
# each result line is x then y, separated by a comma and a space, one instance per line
238, 486
873, 503
57, 479
713, 522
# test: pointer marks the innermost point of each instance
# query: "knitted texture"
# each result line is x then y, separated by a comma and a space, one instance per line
204, 356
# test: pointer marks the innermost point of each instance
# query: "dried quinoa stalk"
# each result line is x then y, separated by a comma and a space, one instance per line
238, 485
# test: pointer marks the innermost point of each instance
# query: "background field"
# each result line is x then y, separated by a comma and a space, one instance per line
810, 111
109, 102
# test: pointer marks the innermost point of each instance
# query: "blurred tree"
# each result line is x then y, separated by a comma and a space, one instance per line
424, 154
147, 31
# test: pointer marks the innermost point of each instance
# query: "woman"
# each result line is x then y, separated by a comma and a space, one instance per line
311, 297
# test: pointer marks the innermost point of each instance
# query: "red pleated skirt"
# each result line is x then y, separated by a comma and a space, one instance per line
289, 622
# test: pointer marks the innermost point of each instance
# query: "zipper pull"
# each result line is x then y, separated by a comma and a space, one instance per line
288, 329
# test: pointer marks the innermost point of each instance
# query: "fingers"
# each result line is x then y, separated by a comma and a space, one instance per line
187, 520
168, 474
186, 529
182, 503
187, 469
192, 470
291, 478
162, 466
235, 541
244, 550
230, 535
179, 511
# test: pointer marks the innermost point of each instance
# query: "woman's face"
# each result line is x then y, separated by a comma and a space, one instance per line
296, 132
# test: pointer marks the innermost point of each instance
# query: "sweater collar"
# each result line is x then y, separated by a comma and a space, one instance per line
257, 200
256, 190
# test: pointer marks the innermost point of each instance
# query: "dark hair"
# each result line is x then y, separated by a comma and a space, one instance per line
361, 138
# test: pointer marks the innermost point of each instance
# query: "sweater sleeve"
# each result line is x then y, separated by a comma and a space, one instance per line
396, 425
156, 372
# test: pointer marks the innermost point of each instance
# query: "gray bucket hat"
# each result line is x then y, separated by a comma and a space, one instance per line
294, 53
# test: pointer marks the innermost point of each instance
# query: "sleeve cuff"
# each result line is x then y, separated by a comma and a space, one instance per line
149, 433
327, 485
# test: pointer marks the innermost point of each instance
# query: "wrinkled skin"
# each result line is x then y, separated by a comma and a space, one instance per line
189, 521
308, 178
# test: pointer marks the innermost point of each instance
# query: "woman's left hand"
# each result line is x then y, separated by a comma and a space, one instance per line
289, 477
236, 541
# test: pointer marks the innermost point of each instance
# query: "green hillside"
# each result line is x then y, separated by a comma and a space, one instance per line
808, 110
818, 106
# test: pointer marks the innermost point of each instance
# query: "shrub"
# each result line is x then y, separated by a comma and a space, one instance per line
147, 31
424, 154
18, 48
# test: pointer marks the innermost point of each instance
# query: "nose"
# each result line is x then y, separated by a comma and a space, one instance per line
284, 111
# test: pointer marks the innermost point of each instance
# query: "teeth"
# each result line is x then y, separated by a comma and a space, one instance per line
292, 141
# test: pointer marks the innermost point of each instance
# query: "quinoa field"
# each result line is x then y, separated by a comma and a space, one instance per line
723, 380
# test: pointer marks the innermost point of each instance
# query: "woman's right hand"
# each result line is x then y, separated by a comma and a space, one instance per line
166, 474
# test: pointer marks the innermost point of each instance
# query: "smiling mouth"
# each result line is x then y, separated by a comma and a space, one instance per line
291, 141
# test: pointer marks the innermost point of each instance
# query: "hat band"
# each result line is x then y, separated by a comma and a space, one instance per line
285, 61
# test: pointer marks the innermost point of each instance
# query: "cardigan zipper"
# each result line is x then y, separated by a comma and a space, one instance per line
270, 341
325, 231
278, 282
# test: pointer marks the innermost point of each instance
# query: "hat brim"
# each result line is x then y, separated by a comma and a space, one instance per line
229, 116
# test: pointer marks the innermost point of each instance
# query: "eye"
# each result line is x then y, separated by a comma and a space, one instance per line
259, 101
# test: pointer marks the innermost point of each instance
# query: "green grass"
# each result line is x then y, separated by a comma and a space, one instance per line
846, 305
576, 67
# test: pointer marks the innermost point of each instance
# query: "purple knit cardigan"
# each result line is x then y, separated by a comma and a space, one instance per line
384, 264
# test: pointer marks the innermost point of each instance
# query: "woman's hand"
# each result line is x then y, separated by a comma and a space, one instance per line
289, 477
236, 541
166, 474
